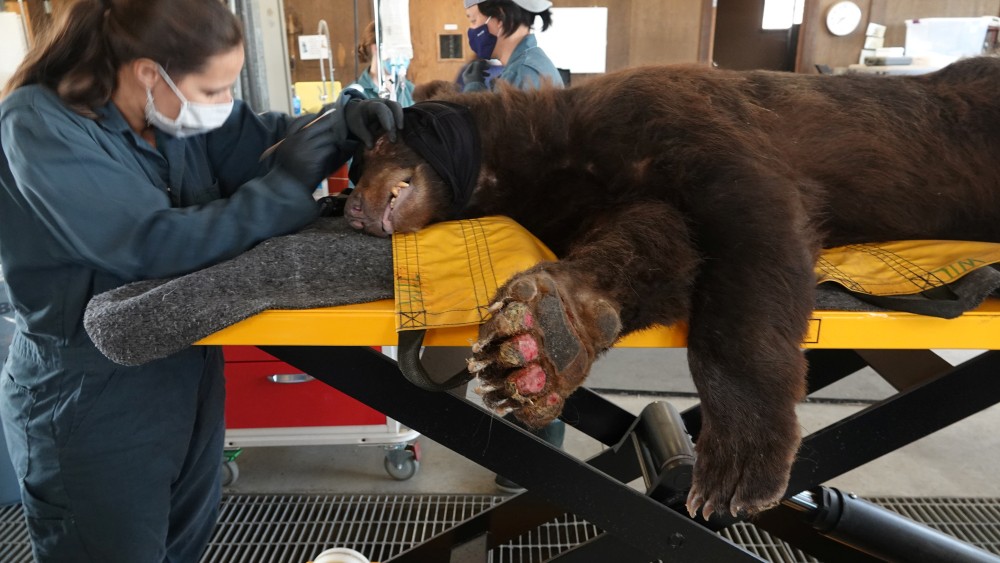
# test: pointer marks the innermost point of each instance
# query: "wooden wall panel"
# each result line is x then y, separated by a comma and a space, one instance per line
665, 32
428, 19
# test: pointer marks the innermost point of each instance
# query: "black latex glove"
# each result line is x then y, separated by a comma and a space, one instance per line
366, 120
476, 71
309, 154
300, 122
361, 119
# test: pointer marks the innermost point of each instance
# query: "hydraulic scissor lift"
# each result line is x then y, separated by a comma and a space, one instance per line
329, 344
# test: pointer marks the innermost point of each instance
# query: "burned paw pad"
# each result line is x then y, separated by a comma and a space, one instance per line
528, 381
518, 351
561, 345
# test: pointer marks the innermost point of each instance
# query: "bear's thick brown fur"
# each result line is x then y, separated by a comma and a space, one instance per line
683, 193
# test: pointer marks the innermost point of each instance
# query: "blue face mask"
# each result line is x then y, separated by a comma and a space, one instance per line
482, 41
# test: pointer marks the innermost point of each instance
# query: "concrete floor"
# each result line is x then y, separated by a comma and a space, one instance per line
961, 460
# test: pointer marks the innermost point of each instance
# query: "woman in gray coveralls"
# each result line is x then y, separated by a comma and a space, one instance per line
125, 157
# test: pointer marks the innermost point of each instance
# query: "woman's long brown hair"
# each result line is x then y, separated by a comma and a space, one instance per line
78, 56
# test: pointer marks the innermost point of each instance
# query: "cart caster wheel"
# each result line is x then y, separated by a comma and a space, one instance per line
230, 473
401, 464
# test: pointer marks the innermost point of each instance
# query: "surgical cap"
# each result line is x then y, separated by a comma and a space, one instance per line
533, 6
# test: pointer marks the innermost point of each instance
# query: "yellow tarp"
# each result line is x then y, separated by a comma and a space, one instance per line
446, 274
903, 267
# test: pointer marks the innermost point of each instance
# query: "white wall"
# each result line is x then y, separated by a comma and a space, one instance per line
13, 45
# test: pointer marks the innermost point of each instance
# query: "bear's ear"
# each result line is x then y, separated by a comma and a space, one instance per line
380, 143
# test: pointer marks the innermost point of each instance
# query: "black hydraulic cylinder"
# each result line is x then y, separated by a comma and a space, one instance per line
667, 454
880, 532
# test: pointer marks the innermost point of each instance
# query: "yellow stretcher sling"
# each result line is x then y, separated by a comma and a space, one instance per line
903, 267
447, 274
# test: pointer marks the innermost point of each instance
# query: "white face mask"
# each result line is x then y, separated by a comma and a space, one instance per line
192, 119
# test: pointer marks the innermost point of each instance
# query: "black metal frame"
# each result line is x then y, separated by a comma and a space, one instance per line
635, 527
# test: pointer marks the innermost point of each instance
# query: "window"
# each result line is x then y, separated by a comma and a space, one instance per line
782, 14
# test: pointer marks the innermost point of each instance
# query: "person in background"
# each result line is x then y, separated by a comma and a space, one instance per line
501, 30
367, 82
125, 157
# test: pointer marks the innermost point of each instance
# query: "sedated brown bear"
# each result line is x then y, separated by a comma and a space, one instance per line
691, 194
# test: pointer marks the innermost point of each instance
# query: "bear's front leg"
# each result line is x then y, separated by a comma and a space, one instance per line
633, 268
749, 433
749, 311
546, 330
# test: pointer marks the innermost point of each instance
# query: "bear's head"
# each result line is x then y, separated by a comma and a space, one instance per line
396, 192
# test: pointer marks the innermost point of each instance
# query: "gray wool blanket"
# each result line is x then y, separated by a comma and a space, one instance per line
328, 264
947, 302
324, 265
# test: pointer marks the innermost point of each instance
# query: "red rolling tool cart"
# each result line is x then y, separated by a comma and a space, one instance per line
270, 403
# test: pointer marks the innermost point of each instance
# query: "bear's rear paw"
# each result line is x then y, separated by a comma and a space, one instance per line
740, 471
539, 345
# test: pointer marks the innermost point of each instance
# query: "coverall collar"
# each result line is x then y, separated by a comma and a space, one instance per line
110, 118
521, 51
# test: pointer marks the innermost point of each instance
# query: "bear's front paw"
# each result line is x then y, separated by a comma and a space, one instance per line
538, 346
741, 470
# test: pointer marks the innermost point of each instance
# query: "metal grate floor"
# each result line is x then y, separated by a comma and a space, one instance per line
295, 528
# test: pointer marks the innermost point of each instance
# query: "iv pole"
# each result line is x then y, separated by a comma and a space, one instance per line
324, 30
383, 88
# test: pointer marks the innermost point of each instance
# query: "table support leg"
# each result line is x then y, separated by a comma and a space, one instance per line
648, 529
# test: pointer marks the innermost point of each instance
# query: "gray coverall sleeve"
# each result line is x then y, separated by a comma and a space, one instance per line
107, 215
234, 150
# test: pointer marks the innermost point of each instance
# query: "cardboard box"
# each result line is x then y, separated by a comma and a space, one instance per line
874, 42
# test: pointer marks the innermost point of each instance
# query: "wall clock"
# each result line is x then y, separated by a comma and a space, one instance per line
843, 18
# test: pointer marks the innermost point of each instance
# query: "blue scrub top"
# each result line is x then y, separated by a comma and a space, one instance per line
88, 205
527, 66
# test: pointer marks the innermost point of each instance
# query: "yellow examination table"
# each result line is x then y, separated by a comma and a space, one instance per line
331, 344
